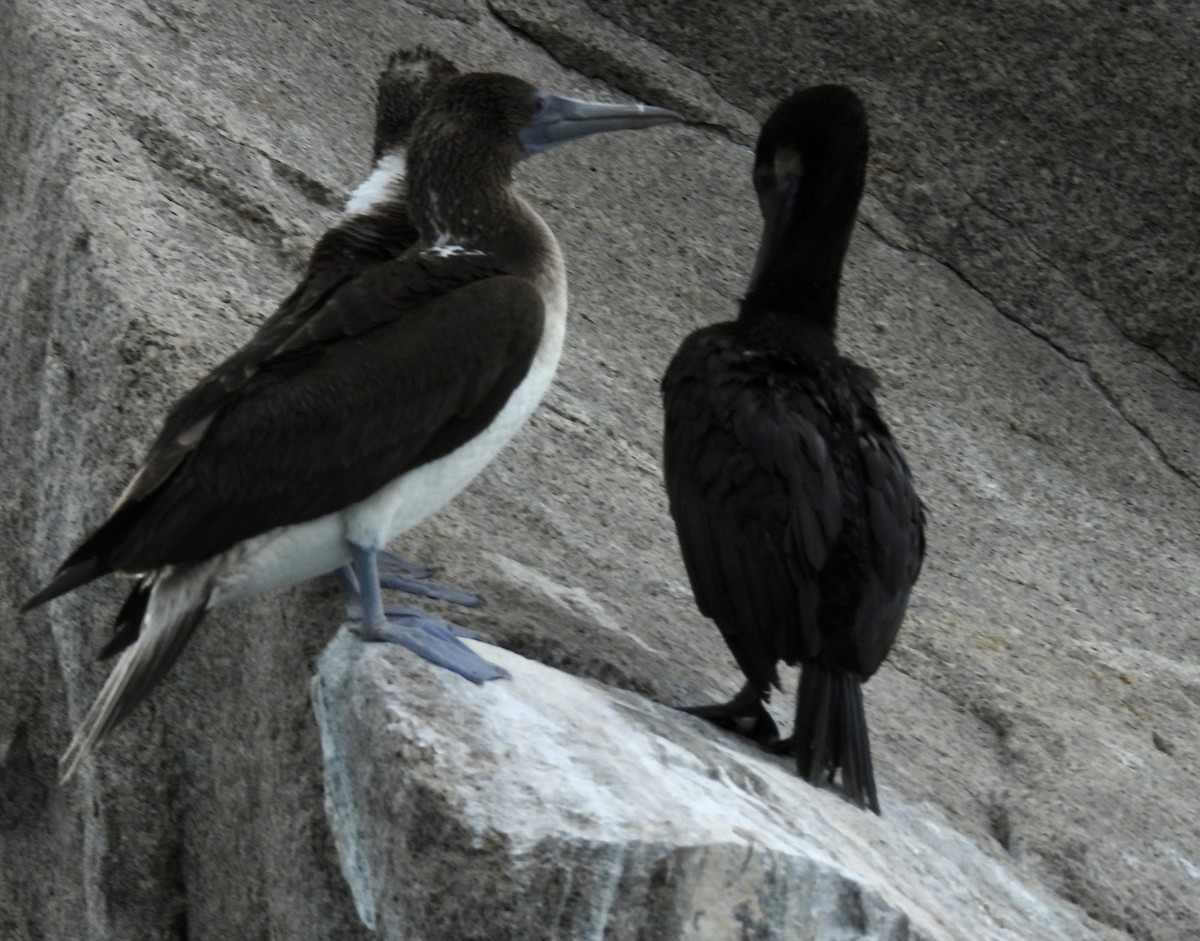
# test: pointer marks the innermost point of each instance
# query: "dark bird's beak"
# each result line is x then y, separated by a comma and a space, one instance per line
561, 119
778, 207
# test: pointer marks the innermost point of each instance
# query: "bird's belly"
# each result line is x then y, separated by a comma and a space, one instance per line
411, 498
292, 554
424, 490
281, 557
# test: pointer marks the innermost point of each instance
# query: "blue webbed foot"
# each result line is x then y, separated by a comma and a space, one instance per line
399, 573
395, 564
423, 634
412, 611
435, 640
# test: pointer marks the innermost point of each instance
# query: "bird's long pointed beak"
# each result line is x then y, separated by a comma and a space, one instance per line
562, 119
777, 209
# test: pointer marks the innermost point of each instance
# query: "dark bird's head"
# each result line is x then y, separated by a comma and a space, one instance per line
809, 168
404, 87
477, 127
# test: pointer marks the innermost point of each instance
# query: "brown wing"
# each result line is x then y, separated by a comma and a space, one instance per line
399, 365
343, 255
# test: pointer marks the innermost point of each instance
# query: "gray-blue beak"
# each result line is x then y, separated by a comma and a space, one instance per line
562, 119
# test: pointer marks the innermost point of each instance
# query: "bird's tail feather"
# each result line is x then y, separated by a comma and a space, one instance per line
129, 619
831, 733
177, 603
68, 578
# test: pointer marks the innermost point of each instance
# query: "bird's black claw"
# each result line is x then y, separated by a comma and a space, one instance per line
782, 746
748, 718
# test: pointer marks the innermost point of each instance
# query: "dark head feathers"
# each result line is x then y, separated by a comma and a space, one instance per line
825, 125
477, 117
809, 170
404, 88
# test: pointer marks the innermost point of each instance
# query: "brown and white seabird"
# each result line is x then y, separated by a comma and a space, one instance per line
385, 382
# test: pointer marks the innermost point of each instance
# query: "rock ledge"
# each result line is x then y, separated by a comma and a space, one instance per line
553, 807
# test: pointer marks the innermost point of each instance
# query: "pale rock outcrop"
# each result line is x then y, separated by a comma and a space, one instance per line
551, 807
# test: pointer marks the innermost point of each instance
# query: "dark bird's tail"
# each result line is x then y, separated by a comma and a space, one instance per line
831, 733
69, 577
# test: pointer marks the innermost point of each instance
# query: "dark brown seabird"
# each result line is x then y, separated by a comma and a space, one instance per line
384, 383
795, 510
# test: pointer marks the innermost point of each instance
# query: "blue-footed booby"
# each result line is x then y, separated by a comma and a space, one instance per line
796, 514
384, 383
402, 90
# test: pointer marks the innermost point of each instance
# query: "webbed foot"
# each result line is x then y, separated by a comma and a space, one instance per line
745, 714
435, 640
399, 573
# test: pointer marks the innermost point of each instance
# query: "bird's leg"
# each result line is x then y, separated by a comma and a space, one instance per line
403, 575
744, 714
423, 634
349, 584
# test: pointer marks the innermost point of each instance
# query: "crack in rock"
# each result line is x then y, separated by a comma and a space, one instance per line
574, 38
1080, 365
1049, 262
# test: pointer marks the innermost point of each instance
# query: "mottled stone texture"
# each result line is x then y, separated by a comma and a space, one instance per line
163, 168
1045, 152
548, 807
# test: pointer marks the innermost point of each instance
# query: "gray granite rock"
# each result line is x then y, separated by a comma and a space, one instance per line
1045, 153
164, 169
549, 807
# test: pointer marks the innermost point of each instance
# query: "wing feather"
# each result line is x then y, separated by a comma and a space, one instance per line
896, 534
754, 497
397, 364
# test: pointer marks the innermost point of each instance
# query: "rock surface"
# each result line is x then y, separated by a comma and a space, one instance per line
165, 168
582, 812
1044, 153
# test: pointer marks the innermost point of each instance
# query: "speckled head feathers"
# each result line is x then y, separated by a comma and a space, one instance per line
403, 89
478, 113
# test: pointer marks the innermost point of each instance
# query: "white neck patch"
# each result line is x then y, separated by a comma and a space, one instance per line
384, 183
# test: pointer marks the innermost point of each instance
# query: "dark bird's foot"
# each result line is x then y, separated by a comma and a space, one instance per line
435, 640
782, 746
399, 573
744, 714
